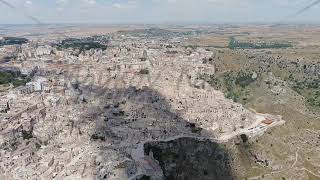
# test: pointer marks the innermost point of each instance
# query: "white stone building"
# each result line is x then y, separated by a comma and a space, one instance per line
28, 89
43, 50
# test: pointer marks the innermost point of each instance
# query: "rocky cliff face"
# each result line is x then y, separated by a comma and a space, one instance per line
190, 158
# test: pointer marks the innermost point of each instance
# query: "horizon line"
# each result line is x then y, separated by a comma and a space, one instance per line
165, 23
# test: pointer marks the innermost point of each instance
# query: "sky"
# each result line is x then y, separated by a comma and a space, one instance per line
157, 11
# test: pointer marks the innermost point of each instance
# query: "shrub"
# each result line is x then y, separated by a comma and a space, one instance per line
244, 80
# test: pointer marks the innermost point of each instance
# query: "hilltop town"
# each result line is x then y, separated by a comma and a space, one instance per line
105, 105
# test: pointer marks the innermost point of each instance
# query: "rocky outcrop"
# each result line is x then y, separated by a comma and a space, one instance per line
190, 159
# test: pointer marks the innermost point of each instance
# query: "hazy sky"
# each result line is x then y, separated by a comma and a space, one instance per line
157, 11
